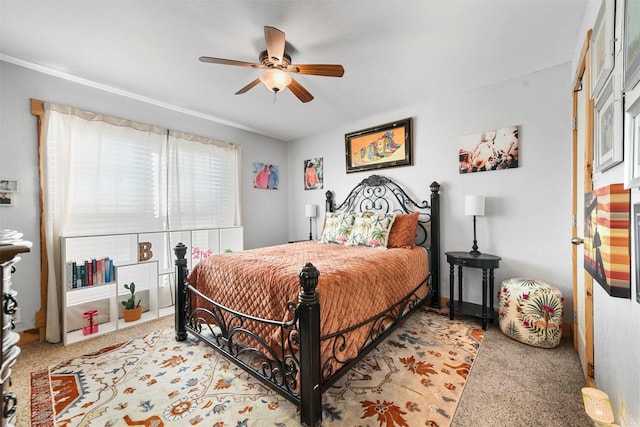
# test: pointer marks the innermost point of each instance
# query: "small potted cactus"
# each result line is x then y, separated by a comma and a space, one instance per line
132, 310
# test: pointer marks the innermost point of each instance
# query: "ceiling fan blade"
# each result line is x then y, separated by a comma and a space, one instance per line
247, 87
327, 70
299, 91
275, 44
229, 62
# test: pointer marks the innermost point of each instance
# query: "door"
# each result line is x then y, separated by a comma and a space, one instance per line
582, 183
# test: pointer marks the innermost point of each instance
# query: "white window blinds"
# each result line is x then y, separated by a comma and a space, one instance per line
204, 184
106, 175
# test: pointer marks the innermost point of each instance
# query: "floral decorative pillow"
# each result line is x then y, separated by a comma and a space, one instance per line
337, 227
371, 229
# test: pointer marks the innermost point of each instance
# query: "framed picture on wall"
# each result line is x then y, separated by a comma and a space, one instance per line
8, 185
6, 198
607, 122
632, 138
602, 42
382, 146
631, 48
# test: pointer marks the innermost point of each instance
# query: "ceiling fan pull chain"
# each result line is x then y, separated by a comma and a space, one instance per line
275, 97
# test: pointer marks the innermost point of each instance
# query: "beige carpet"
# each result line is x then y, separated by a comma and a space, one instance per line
510, 383
514, 384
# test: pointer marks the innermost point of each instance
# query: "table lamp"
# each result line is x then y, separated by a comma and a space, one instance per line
310, 212
474, 205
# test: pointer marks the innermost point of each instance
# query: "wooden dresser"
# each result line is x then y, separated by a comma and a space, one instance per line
9, 256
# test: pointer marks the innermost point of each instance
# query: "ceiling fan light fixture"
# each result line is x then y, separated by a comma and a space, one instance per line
275, 79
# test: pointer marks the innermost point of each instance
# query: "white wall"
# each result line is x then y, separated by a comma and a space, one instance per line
264, 214
528, 209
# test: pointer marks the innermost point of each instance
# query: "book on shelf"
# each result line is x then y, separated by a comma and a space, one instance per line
89, 272
88, 275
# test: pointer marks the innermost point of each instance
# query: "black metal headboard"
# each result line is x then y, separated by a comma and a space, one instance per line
381, 194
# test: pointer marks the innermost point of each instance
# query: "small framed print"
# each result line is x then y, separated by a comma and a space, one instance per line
632, 138
8, 185
607, 122
631, 47
602, 41
8, 190
6, 198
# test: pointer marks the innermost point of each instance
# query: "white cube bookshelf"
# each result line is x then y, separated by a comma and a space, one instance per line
147, 259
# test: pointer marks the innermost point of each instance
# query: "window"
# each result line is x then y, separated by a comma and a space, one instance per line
203, 183
108, 175
101, 175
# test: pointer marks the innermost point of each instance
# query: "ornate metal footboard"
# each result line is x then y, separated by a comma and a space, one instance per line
293, 366
280, 368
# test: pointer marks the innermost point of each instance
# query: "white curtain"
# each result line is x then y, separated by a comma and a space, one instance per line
102, 175
204, 182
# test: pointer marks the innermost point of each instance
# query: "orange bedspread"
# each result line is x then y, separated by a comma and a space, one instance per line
355, 283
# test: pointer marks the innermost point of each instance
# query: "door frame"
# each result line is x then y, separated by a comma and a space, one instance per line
582, 82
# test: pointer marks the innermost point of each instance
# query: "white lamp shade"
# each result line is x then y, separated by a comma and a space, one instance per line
310, 210
474, 205
275, 79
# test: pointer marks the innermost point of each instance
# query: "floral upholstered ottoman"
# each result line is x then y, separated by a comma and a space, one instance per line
531, 312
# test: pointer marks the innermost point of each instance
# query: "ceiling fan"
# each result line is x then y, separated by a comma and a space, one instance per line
277, 67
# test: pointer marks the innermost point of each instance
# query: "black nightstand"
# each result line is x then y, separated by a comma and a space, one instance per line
487, 263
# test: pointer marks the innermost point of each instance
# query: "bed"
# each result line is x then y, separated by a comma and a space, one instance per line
298, 316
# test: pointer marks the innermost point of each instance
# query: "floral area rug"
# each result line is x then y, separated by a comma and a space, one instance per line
413, 378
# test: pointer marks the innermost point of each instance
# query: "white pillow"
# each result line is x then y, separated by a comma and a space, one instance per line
371, 229
337, 227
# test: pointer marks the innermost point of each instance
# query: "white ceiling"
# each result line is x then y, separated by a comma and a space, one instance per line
395, 53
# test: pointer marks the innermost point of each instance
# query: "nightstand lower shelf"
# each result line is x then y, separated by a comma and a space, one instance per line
474, 310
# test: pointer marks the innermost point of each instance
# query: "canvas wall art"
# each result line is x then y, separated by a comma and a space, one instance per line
313, 174
606, 238
266, 176
636, 246
490, 150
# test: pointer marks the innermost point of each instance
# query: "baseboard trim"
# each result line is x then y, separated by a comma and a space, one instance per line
29, 336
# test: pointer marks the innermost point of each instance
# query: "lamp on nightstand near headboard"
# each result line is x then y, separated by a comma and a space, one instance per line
310, 212
474, 205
